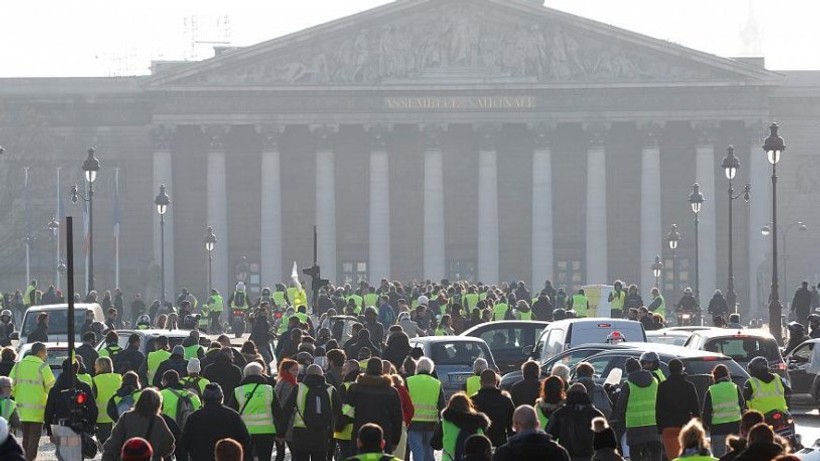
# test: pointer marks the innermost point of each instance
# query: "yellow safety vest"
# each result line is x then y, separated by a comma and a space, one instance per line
525, 315
767, 397
257, 413
7, 407
32, 379
243, 306
170, 400
500, 311
347, 432
215, 303
371, 299
279, 298
424, 392
617, 300
470, 301
640, 409
725, 406
356, 300
198, 381
579, 304
105, 385
473, 385
27, 295
155, 358
86, 378
661, 310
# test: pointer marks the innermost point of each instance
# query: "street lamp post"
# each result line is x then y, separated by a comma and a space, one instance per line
91, 166
696, 201
766, 231
730, 166
774, 147
54, 227
210, 241
657, 269
162, 201
672, 239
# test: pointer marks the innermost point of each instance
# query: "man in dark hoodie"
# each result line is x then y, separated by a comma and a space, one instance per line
497, 405
311, 442
525, 392
363, 340
571, 424
529, 442
223, 372
58, 404
584, 372
677, 403
213, 422
373, 399
175, 362
130, 358
635, 412
762, 446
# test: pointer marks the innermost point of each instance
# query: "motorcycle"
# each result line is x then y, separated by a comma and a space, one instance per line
238, 320
686, 318
782, 424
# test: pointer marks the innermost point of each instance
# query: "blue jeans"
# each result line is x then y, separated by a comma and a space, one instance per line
420, 448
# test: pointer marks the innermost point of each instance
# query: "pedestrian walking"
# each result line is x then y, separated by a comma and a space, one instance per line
258, 407
497, 405
373, 399
529, 442
315, 407
723, 407
528, 389
33, 379
693, 443
144, 421
458, 421
635, 411
677, 403
571, 424
210, 424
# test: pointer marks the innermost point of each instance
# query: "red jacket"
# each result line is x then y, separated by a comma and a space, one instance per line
407, 408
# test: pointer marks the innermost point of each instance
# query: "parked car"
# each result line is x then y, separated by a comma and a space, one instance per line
742, 346
665, 336
566, 334
147, 338
570, 358
692, 328
507, 340
57, 321
454, 357
804, 365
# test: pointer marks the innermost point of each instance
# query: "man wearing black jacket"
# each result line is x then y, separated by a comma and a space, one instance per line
374, 400
213, 422
130, 358
58, 404
529, 442
497, 405
572, 423
175, 362
676, 404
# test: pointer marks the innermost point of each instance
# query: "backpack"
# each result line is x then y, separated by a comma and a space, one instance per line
193, 385
185, 407
239, 298
125, 404
318, 411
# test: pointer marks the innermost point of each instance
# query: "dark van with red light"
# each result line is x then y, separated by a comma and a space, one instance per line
742, 346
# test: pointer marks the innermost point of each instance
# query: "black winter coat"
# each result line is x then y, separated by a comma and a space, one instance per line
677, 402
40, 334
207, 426
57, 404
130, 359
375, 400
525, 392
498, 406
571, 425
531, 445
225, 373
11, 450
761, 451
174, 362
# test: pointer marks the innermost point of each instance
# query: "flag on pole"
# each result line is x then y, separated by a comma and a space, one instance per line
116, 215
294, 275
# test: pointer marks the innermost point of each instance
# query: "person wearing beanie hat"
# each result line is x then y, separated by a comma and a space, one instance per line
723, 407
136, 449
572, 423
176, 361
604, 442
194, 381
677, 403
640, 390
211, 424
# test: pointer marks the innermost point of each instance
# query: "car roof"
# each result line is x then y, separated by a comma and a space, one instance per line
730, 332
158, 332
680, 333
691, 328
62, 306
592, 320
540, 324
446, 339
665, 349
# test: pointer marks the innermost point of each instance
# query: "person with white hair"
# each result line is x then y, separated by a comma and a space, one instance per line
529, 441
256, 402
194, 381
427, 394
8, 407
474, 382
562, 371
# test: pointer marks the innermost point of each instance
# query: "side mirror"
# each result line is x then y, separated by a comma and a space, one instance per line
14, 336
527, 350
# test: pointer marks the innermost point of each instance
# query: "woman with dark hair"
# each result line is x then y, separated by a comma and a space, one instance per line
40, 333
285, 383
8, 358
144, 421
250, 352
459, 421
125, 397
398, 347
552, 397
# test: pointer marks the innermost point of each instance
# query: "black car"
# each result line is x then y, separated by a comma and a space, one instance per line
507, 340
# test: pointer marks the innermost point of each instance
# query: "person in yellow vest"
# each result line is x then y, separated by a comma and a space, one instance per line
445, 326
194, 382
500, 309
523, 311
172, 391
474, 382
256, 402
83, 374
471, 299
193, 349
160, 354
112, 347
106, 384
315, 408
370, 443
694, 446
126, 396
652, 362
238, 302
371, 298
32, 380
30, 296
616, 300
723, 407
427, 395
343, 433
280, 297
635, 410
658, 304
8, 407
458, 421
765, 391
579, 303
215, 305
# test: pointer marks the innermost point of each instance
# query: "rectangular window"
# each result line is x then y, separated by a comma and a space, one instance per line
354, 272
569, 274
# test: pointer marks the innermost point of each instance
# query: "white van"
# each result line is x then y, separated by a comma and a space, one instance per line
564, 334
57, 321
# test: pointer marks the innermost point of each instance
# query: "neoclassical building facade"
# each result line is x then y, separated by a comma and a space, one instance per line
487, 140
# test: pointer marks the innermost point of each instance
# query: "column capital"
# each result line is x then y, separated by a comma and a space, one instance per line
706, 130
162, 136
650, 133
377, 135
271, 135
596, 132
432, 134
487, 135
216, 136
543, 133
324, 135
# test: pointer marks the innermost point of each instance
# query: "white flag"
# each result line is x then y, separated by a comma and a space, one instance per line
294, 275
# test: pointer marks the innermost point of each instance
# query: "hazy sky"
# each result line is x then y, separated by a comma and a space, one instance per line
103, 37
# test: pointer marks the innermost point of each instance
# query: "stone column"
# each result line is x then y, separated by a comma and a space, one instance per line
488, 204
217, 198
705, 168
543, 258
651, 219
596, 251
163, 174
379, 226
433, 204
271, 212
326, 200
759, 215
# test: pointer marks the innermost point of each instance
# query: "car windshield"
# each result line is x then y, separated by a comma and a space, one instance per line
458, 353
744, 348
698, 366
57, 323
509, 338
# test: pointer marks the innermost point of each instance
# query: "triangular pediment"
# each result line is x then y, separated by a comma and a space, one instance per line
461, 41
